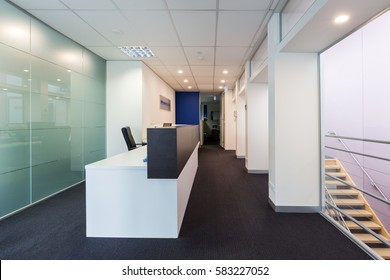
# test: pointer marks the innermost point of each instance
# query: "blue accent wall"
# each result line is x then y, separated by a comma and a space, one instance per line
187, 107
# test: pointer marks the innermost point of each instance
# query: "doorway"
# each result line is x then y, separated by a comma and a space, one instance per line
210, 107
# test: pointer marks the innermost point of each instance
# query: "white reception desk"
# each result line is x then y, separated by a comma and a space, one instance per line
122, 202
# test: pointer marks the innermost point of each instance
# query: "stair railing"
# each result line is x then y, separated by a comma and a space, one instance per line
359, 189
370, 231
337, 214
332, 134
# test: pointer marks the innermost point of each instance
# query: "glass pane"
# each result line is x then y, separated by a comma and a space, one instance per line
50, 45
14, 27
14, 130
14, 190
51, 131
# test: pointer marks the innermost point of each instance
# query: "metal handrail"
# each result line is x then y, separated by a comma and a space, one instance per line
333, 134
356, 188
377, 236
340, 217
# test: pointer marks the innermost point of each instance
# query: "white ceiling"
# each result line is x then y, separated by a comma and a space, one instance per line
200, 37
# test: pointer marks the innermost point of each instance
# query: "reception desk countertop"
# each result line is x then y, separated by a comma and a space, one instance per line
133, 159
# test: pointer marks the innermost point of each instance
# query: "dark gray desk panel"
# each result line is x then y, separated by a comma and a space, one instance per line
169, 149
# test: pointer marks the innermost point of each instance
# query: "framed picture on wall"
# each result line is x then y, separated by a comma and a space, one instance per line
165, 103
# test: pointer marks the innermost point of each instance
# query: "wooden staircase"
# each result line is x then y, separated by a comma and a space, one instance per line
353, 203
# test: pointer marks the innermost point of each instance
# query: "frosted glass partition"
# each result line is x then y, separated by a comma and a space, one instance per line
242, 81
355, 88
260, 57
292, 13
52, 110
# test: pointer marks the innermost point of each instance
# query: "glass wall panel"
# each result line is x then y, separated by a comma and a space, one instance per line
50, 45
52, 111
14, 130
356, 99
14, 27
292, 13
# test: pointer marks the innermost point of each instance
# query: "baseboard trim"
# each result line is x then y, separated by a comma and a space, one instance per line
294, 209
240, 157
256, 171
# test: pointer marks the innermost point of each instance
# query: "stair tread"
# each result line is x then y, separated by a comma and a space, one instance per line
349, 202
358, 213
334, 183
337, 174
343, 192
384, 252
332, 166
368, 238
369, 224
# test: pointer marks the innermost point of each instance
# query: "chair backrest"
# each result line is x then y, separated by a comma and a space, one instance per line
130, 142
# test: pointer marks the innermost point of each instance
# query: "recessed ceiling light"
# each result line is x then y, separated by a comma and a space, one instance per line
225, 71
186, 81
26, 70
137, 52
59, 80
69, 70
220, 87
222, 81
190, 87
180, 71
341, 18
5, 89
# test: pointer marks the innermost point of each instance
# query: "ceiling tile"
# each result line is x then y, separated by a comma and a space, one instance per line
200, 55
195, 28
192, 5
230, 55
238, 28
174, 68
206, 87
89, 5
204, 79
114, 27
244, 4
160, 70
233, 71
170, 55
140, 4
155, 26
72, 26
40, 4
202, 71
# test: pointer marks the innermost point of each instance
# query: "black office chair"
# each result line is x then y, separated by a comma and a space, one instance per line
130, 142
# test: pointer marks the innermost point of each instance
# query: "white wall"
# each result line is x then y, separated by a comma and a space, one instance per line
229, 121
152, 88
256, 158
240, 126
133, 99
123, 103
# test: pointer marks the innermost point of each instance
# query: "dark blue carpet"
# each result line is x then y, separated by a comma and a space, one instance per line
227, 217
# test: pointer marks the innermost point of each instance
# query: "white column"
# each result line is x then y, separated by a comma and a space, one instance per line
294, 126
229, 120
256, 158
241, 122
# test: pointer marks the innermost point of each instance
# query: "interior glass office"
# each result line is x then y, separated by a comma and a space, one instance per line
52, 110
